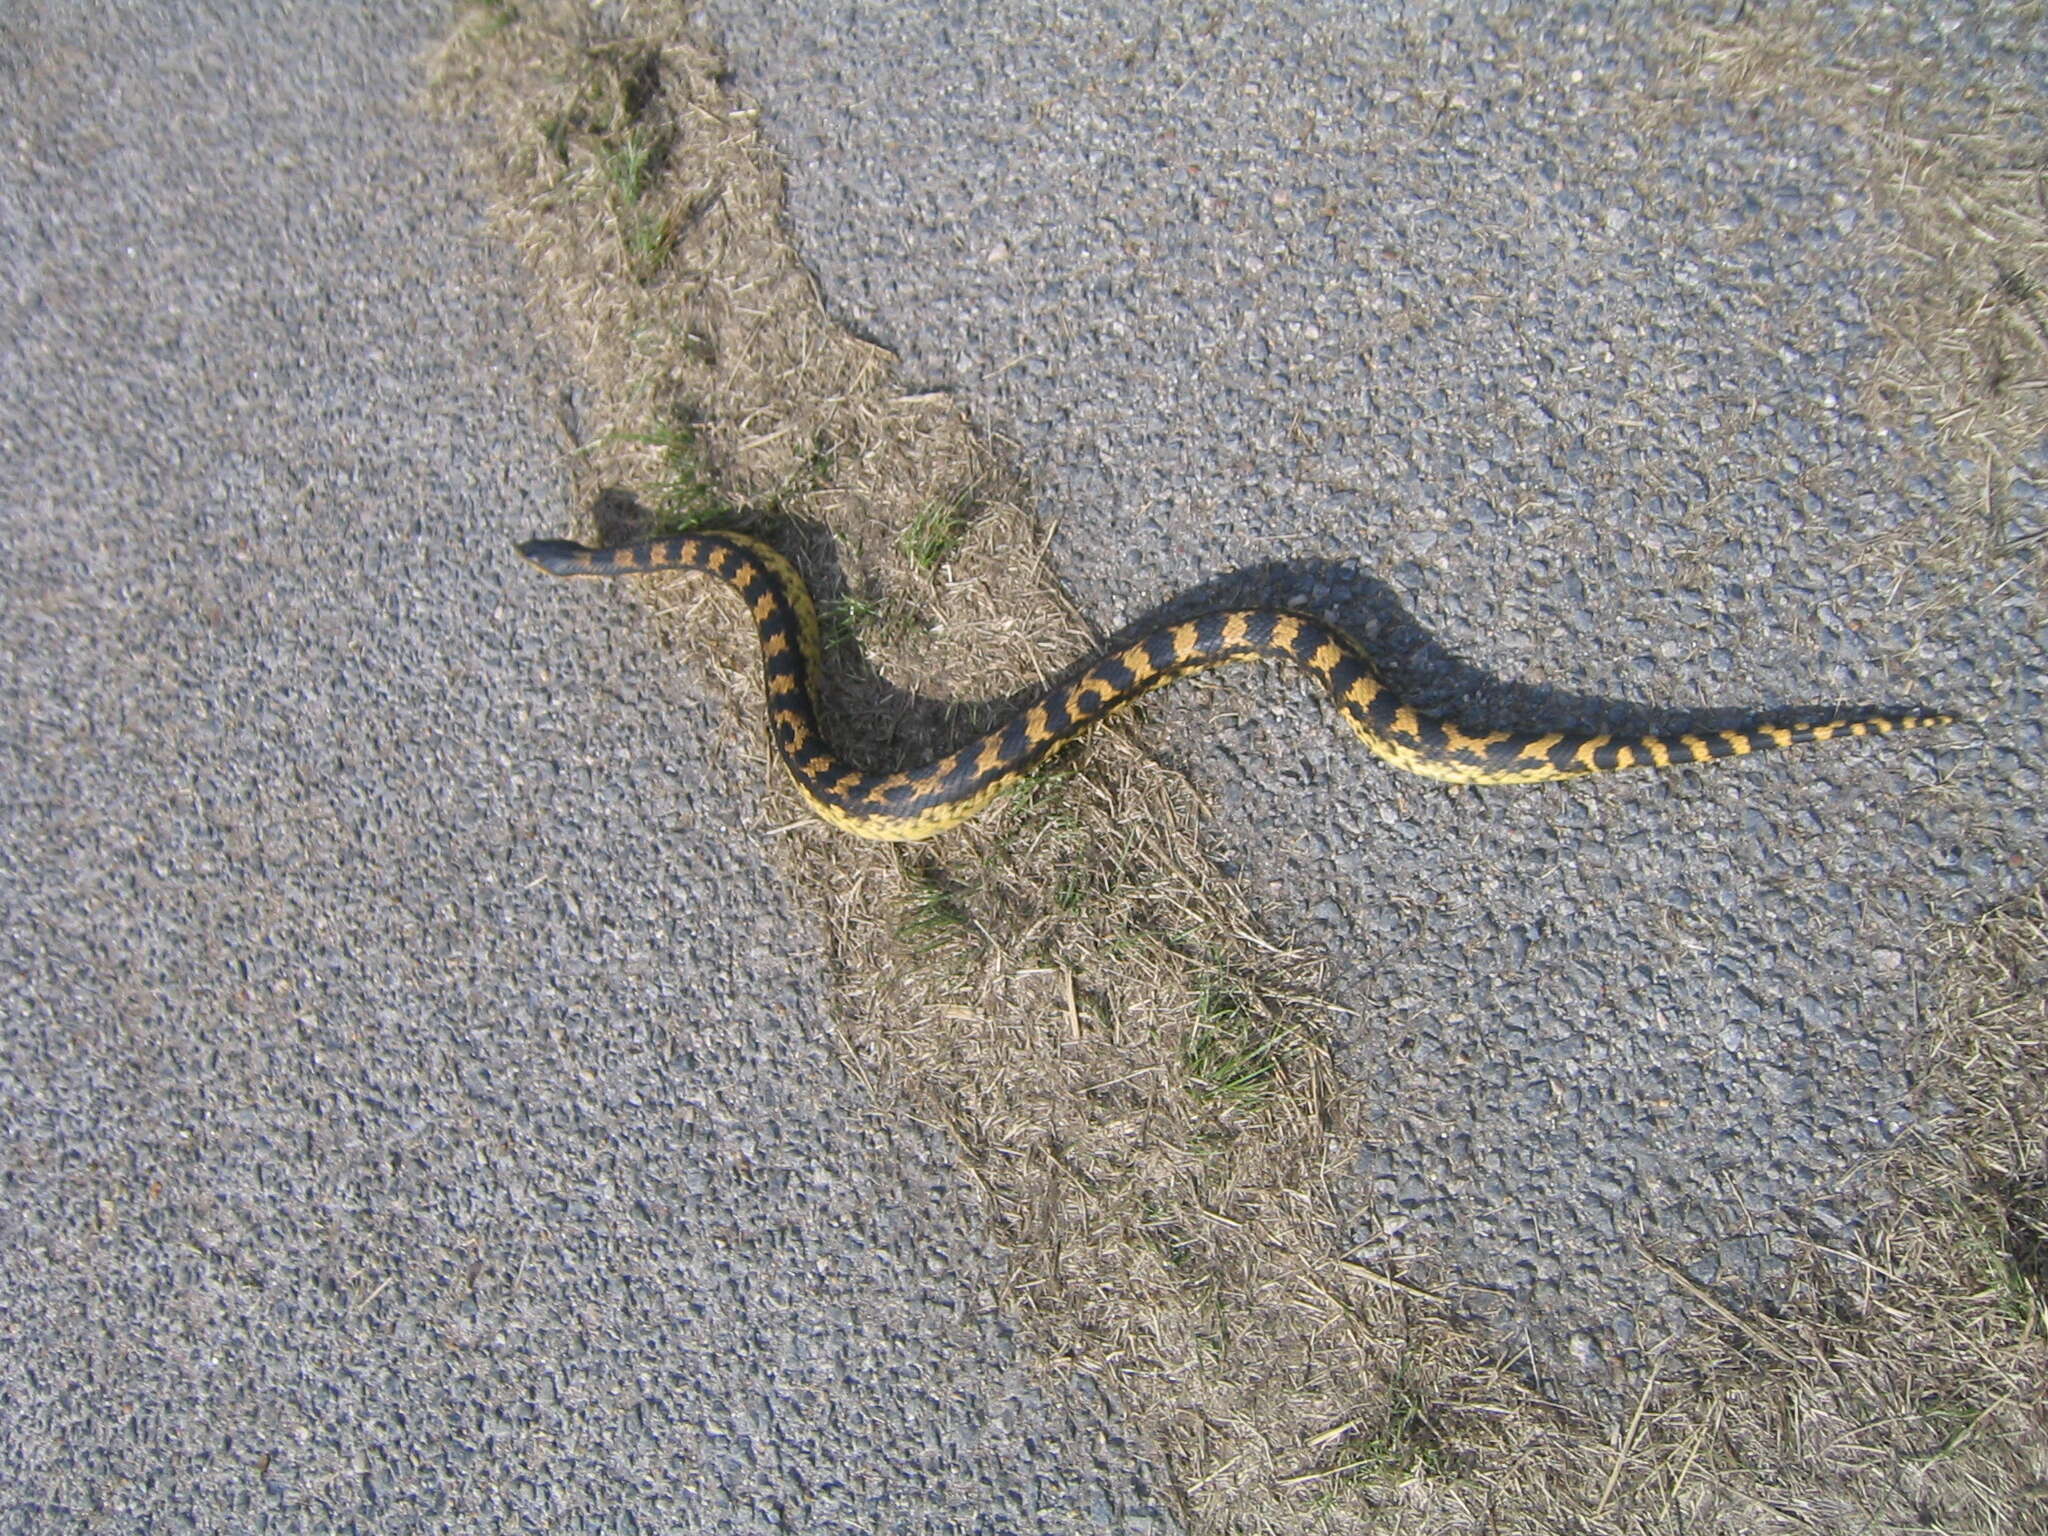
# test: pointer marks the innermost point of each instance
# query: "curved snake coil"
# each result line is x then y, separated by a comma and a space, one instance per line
903, 806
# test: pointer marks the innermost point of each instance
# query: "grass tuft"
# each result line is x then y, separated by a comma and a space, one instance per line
1234, 1052
853, 622
933, 917
1404, 1445
485, 19
844, 619
683, 492
630, 159
935, 530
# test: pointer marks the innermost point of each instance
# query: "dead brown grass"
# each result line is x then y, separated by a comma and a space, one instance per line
1904, 1385
1960, 178
1132, 1071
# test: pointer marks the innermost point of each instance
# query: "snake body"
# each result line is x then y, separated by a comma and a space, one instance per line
904, 806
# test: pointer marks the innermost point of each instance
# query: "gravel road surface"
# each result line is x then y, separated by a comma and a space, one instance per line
1448, 329
419, 1112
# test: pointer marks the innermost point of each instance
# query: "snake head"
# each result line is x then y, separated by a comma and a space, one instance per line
562, 557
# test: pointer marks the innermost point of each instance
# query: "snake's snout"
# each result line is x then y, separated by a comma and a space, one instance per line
558, 556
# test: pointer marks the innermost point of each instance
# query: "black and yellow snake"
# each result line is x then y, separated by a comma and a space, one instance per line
944, 793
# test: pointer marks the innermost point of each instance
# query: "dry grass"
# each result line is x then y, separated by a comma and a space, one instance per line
1960, 177
1132, 1071
1904, 1385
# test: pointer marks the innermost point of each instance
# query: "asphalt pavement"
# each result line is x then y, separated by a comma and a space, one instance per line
419, 1108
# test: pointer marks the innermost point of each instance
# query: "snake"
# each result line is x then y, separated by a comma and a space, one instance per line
919, 802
